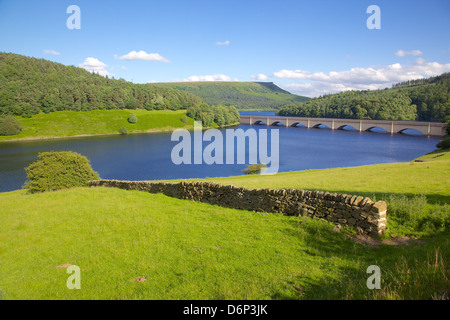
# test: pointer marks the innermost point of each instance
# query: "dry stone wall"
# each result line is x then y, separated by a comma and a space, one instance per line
366, 216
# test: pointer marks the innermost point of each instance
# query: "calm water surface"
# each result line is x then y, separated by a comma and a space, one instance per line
148, 156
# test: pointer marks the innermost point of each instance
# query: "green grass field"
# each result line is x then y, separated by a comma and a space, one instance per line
97, 122
189, 250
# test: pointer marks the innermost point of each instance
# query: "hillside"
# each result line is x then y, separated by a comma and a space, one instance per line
242, 95
424, 99
30, 85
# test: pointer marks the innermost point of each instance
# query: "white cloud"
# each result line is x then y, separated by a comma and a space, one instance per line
52, 52
214, 77
123, 68
260, 77
402, 53
375, 77
225, 43
95, 66
142, 55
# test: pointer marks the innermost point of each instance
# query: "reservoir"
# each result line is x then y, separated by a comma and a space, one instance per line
148, 156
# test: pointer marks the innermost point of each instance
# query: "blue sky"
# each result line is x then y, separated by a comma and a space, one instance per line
306, 47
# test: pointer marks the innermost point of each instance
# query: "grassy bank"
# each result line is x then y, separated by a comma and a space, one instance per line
63, 124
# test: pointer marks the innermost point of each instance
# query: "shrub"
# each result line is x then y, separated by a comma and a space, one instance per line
184, 119
123, 131
56, 170
132, 118
9, 126
254, 168
444, 143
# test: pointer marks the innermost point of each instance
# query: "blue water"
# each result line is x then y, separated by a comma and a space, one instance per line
259, 113
148, 156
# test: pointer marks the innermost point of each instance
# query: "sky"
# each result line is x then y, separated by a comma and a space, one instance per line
308, 48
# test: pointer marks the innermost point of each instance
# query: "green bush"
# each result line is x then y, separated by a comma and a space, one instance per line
9, 126
132, 118
123, 131
56, 170
254, 168
444, 143
184, 119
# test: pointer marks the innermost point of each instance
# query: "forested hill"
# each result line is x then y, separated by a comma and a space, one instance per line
29, 85
423, 99
242, 95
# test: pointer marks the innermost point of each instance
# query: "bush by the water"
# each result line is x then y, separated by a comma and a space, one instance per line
9, 126
444, 143
56, 170
123, 131
132, 118
254, 168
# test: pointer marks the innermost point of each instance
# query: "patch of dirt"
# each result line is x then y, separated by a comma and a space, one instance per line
139, 279
63, 266
298, 288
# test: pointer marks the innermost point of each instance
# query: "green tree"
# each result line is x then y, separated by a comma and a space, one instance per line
132, 118
9, 126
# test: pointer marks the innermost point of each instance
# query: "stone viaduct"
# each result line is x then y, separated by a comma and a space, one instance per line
391, 126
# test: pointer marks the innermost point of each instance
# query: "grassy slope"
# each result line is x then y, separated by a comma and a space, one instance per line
242, 95
73, 123
190, 250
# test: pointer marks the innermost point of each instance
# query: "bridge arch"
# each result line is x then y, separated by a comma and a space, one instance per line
378, 129
347, 127
299, 125
321, 126
412, 132
278, 123
259, 122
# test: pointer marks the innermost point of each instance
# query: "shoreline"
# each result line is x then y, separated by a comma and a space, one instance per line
160, 130
44, 138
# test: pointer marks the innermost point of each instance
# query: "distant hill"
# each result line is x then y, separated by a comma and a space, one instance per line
422, 99
242, 95
29, 85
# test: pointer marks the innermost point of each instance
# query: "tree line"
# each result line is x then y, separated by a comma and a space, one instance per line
30, 85
424, 99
